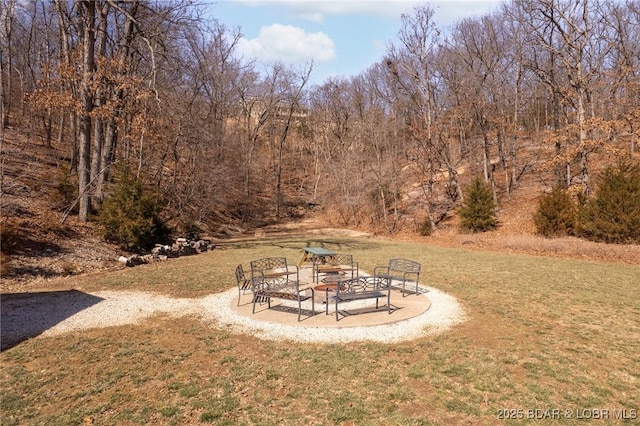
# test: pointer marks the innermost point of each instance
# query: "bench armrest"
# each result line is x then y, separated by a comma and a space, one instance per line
409, 274
382, 269
293, 269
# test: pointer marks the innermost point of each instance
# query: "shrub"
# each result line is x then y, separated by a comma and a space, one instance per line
131, 216
612, 215
9, 236
4, 267
191, 230
382, 197
425, 228
65, 189
556, 214
478, 212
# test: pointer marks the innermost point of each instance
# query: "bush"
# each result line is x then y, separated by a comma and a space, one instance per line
131, 217
63, 191
9, 236
612, 215
191, 231
478, 212
556, 214
66, 189
379, 194
425, 228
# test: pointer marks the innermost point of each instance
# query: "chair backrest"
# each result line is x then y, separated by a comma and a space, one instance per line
362, 285
404, 265
340, 259
240, 276
269, 264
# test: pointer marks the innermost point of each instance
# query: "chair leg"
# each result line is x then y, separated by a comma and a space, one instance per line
313, 303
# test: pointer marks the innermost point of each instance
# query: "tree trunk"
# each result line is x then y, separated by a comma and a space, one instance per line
6, 68
73, 130
98, 133
87, 12
110, 130
4, 105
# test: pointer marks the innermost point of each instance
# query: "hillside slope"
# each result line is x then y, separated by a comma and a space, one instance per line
38, 244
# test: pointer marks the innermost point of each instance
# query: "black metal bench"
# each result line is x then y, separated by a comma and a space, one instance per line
243, 282
285, 290
334, 264
359, 288
270, 279
402, 270
275, 268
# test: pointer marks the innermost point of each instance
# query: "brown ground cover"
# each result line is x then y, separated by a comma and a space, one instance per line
43, 246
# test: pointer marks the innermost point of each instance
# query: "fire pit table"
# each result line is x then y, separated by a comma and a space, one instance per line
322, 291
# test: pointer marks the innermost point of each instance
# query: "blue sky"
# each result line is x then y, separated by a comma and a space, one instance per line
343, 38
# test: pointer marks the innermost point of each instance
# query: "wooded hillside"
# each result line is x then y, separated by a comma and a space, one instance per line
541, 94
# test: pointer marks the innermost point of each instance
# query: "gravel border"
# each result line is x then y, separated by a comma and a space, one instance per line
74, 311
444, 313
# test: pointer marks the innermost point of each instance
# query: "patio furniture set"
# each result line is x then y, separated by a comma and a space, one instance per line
336, 280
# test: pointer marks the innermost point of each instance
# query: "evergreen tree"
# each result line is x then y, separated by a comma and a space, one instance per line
556, 214
478, 212
131, 216
612, 215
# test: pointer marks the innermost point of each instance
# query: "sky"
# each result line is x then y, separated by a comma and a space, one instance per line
342, 38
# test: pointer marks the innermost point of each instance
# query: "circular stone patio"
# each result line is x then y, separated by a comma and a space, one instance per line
352, 314
416, 317
412, 316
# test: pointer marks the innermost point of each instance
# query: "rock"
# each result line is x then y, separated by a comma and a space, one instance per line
187, 251
181, 247
135, 260
201, 245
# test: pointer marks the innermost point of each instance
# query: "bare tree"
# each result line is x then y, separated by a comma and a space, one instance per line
570, 35
7, 14
478, 43
294, 98
86, 15
412, 65
381, 154
622, 89
333, 121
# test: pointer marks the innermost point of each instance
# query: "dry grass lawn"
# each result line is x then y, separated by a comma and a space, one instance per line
542, 334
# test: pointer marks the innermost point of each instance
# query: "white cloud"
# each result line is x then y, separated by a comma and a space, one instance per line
288, 44
316, 10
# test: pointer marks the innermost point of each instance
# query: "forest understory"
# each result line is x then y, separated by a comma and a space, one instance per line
45, 246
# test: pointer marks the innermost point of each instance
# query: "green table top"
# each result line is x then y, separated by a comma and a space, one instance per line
319, 251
